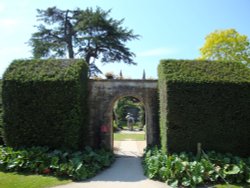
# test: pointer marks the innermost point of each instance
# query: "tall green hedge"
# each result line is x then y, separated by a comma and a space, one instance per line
204, 102
45, 103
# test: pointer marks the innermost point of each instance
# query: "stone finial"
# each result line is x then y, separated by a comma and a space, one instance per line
121, 76
144, 75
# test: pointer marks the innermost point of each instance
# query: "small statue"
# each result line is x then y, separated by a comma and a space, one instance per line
130, 121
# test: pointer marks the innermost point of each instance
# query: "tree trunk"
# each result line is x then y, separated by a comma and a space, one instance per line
68, 34
87, 59
70, 50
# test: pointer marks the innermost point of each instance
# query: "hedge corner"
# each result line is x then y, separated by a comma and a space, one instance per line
204, 102
44, 103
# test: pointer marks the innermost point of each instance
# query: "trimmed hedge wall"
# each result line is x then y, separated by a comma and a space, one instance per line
206, 102
45, 103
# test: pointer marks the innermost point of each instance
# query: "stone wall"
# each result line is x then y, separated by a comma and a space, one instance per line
102, 96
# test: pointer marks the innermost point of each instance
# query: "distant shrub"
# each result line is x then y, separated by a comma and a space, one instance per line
45, 103
110, 75
206, 102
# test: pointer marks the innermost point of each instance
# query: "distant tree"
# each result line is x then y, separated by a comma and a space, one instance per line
89, 34
226, 45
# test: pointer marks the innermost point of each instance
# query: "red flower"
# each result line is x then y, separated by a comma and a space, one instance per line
46, 171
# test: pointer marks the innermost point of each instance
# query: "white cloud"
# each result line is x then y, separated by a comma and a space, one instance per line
157, 52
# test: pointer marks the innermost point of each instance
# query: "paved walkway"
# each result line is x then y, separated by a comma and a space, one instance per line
135, 131
126, 172
129, 148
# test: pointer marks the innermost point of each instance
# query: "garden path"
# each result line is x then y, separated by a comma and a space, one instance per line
125, 172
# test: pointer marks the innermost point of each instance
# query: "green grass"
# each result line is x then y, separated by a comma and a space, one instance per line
231, 186
127, 136
15, 180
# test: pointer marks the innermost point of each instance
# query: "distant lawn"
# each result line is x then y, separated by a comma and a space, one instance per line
127, 136
15, 180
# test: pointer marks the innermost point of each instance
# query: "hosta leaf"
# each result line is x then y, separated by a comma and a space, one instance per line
197, 179
79, 166
174, 183
186, 182
11, 166
226, 160
185, 163
151, 175
179, 167
234, 170
213, 177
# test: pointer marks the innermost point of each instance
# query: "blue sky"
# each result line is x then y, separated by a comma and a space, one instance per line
169, 29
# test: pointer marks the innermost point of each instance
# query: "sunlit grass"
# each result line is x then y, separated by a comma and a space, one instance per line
127, 136
15, 180
231, 186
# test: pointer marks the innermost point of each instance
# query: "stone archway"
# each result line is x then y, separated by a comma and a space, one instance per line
110, 111
102, 96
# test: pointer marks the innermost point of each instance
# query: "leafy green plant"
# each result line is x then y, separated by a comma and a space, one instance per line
76, 165
185, 170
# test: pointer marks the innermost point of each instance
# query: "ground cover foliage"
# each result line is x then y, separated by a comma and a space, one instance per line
45, 103
189, 170
78, 165
204, 102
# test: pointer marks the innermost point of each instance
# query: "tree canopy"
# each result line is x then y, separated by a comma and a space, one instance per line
226, 45
89, 34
